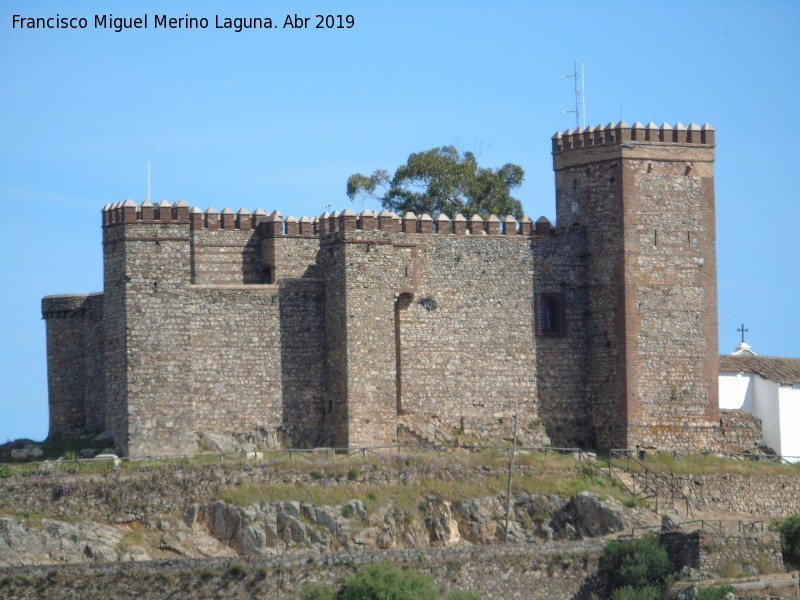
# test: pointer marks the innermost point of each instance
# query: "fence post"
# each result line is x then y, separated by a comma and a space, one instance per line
510, 474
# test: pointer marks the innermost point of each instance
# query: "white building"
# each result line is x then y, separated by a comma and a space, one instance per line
768, 387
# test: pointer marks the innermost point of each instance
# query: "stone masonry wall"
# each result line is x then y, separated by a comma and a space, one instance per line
765, 496
672, 288
235, 350
466, 340
725, 552
562, 368
115, 284
226, 256
325, 331
75, 362
592, 197
303, 373
159, 368
740, 431
566, 570
372, 273
646, 195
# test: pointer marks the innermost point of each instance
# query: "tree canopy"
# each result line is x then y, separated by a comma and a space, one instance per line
443, 180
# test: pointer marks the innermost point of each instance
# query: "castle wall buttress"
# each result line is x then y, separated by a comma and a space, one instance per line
646, 197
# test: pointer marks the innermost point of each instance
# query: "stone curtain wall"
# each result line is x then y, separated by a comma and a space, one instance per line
467, 345
372, 273
236, 355
115, 311
540, 572
562, 368
75, 362
226, 256
303, 363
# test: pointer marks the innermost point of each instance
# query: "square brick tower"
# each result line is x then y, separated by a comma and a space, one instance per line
646, 197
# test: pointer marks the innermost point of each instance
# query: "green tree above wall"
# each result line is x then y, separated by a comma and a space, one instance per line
443, 180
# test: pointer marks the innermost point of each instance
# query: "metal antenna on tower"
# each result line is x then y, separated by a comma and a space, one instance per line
148, 180
580, 95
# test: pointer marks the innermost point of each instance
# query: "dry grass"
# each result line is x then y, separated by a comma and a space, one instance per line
705, 464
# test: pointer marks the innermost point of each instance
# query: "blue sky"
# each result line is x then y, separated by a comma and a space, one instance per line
279, 118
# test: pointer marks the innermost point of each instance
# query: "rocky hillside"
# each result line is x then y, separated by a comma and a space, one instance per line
257, 507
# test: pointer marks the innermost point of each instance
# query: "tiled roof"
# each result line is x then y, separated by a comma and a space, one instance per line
780, 369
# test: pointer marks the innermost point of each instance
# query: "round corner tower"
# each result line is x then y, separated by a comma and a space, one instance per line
646, 197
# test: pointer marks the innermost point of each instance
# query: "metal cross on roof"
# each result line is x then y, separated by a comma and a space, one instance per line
743, 330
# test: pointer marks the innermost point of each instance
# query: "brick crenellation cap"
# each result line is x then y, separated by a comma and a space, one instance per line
622, 133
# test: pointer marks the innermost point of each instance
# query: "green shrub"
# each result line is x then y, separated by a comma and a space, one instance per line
638, 563
5, 472
790, 541
315, 474
636, 593
317, 591
382, 581
714, 593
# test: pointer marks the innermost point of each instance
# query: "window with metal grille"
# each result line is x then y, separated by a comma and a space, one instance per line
551, 314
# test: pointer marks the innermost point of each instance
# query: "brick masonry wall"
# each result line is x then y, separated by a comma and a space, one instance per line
75, 362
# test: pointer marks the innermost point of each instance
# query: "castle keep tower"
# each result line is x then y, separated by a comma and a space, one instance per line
646, 197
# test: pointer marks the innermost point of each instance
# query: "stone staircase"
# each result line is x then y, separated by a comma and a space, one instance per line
415, 430
639, 480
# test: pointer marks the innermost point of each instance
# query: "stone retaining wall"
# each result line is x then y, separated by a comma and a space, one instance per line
767, 496
727, 553
566, 570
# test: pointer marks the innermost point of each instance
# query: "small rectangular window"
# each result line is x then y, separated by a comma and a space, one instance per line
551, 314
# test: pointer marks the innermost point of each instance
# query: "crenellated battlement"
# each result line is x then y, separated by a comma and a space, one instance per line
274, 224
621, 133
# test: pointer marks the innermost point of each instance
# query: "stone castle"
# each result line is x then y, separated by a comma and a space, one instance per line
339, 331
